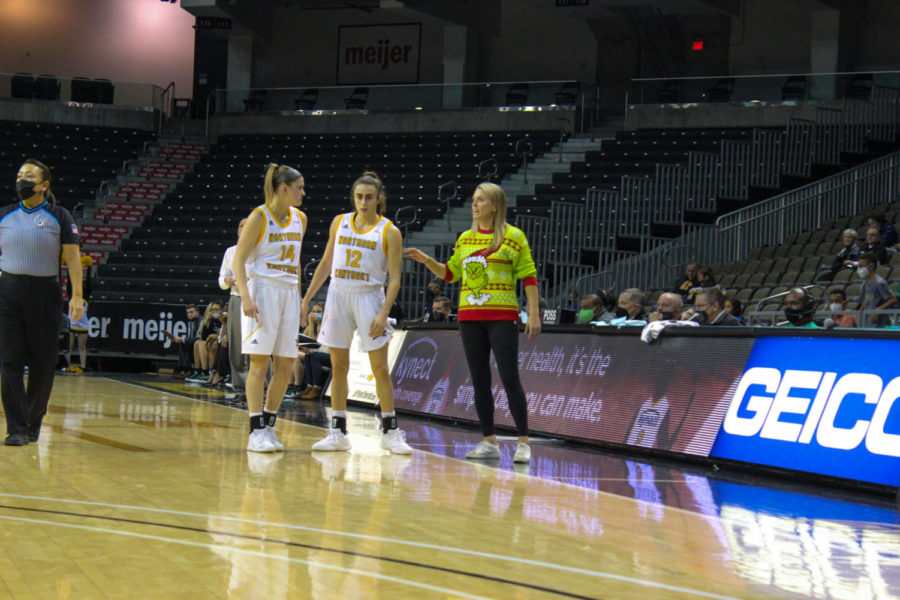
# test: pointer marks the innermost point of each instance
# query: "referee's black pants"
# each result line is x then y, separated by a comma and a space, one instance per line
30, 317
479, 338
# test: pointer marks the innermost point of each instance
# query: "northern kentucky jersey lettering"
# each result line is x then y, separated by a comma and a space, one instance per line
277, 253
360, 256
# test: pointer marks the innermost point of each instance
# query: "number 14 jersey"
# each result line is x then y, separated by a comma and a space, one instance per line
360, 256
276, 256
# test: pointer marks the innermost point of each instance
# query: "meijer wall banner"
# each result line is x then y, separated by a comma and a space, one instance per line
378, 54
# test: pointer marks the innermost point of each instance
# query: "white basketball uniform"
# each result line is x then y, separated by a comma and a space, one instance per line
359, 269
273, 270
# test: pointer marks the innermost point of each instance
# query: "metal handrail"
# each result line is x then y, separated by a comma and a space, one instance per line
764, 76
523, 148
165, 100
447, 193
309, 268
405, 224
780, 294
483, 173
563, 132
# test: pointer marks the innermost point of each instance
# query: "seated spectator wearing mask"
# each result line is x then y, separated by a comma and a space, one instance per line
875, 294
710, 302
799, 308
837, 301
690, 285
845, 258
592, 308
874, 246
668, 307
886, 230
631, 305
441, 310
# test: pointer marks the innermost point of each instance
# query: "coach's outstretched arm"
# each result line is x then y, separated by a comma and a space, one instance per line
430, 263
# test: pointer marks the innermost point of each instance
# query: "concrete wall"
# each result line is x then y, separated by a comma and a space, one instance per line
718, 115
125, 40
771, 36
51, 112
388, 122
536, 43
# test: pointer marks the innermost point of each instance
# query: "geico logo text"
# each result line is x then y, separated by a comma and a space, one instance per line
761, 414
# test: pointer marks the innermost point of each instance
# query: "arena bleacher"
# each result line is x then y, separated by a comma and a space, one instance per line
175, 255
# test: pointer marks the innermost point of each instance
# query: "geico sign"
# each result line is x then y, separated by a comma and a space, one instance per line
765, 411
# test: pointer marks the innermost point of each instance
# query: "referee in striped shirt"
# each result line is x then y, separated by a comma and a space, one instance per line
33, 234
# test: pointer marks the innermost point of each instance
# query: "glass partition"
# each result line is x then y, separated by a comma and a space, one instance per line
530, 95
760, 88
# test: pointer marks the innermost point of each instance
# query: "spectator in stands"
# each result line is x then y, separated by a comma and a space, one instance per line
735, 308
207, 343
873, 245
837, 301
442, 310
592, 308
239, 363
690, 285
845, 258
886, 230
705, 276
631, 305
875, 294
669, 307
710, 302
799, 308
185, 344
221, 367
314, 363
314, 322
434, 289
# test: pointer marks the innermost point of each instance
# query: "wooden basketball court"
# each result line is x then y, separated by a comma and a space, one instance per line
141, 492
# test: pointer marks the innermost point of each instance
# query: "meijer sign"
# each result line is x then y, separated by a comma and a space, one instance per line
378, 54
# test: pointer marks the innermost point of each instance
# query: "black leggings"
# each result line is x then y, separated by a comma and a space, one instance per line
478, 339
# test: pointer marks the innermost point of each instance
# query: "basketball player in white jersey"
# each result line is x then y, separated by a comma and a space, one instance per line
267, 272
363, 249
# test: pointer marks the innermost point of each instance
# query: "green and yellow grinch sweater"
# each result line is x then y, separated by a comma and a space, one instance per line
489, 279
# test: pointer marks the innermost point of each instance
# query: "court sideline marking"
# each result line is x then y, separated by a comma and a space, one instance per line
526, 561
351, 571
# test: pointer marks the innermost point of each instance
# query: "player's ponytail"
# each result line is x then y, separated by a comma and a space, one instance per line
371, 178
276, 175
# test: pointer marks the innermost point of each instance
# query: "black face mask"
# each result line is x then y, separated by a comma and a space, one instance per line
667, 316
25, 189
795, 316
621, 312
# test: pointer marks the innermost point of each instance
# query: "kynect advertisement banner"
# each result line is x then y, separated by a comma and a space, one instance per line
670, 395
820, 405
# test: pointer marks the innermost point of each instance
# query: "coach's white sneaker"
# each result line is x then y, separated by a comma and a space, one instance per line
484, 449
395, 441
270, 433
523, 453
334, 441
259, 442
